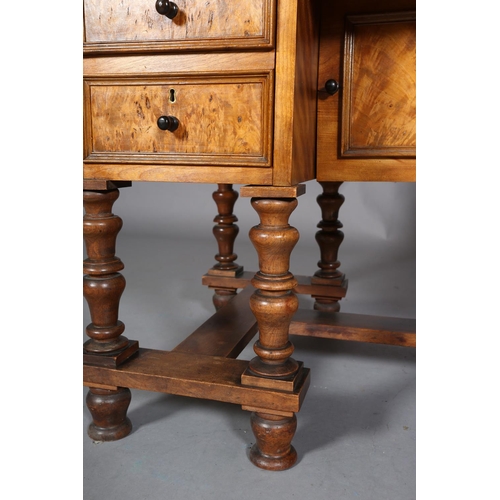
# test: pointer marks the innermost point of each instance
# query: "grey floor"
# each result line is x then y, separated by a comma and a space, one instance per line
356, 430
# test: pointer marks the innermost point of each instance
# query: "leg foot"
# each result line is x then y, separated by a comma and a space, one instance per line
273, 449
109, 414
222, 296
327, 305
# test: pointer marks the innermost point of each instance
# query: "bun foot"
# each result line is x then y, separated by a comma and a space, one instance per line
273, 450
109, 414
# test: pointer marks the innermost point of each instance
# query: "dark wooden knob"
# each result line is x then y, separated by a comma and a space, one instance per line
170, 123
332, 87
166, 8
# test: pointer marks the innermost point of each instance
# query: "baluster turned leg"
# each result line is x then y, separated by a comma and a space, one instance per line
225, 232
273, 303
329, 239
103, 286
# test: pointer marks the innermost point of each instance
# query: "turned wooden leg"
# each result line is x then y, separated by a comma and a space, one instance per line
329, 238
225, 232
273, 304
274, 301
109, 413
103, 286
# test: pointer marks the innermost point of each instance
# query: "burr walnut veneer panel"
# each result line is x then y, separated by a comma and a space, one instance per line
224, 120
136, 26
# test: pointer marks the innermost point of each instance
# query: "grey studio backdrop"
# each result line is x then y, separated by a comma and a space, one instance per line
356, 429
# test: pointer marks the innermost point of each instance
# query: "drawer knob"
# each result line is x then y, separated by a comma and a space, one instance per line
170, 123
332, 86
166, 8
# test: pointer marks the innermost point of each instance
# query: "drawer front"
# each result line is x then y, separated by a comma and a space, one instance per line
367, 130
135, 25
221, 121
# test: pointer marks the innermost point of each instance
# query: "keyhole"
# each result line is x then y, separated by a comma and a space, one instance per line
171, 97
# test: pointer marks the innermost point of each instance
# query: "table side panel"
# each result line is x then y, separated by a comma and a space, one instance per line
297, 47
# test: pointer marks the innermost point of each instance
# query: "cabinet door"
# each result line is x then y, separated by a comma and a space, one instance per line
367, 130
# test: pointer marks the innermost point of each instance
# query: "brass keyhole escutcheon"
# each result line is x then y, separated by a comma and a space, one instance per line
172, 95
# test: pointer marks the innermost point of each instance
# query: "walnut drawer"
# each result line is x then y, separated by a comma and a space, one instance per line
223, 120
136, 26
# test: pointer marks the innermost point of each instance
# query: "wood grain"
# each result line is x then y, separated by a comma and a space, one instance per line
223, 117
103, 284
225, 231
331, 165
379, 100
198, 376
295, 98
273, 192
135, 25
273, 435
303, 287
174, 65
108, 408
355, 327
227, 332
135, 171
274, 302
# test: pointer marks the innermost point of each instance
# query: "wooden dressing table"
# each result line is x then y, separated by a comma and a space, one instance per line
264, 93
